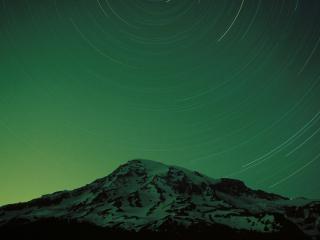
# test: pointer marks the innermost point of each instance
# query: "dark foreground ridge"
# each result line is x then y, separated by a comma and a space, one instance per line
144, 199
60, 229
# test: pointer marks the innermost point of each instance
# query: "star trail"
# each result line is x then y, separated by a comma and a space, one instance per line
229, 88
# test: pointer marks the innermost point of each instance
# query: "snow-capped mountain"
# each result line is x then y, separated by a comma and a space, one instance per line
148, 196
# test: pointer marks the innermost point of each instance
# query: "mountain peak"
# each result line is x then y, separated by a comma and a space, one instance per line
139, 167
145, 163
148, 195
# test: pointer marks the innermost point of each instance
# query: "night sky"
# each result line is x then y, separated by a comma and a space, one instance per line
228, 88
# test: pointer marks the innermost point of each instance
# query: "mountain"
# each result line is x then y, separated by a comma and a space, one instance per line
143, 199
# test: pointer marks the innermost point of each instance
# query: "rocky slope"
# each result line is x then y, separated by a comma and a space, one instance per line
144, 196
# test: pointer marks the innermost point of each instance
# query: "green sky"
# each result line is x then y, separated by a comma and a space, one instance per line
228, 88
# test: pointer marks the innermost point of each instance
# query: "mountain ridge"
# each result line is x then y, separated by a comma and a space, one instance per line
148, 196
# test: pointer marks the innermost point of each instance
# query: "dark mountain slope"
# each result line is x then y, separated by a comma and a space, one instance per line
148, 199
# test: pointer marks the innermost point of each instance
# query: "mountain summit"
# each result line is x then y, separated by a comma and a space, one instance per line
147, 198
